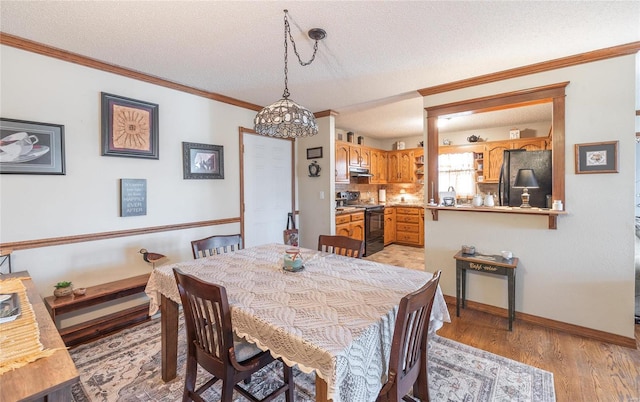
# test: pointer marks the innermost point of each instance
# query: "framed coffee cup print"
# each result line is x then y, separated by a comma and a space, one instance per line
28, 147
129, 127
597, 157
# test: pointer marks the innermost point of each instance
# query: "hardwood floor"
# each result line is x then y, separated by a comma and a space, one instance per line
583, 369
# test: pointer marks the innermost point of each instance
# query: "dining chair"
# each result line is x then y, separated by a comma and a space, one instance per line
342, 245
212, 345
408, 358
216, 245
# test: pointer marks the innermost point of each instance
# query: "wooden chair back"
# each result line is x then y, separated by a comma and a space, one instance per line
216, 245
342, 245
210, 343
408, 359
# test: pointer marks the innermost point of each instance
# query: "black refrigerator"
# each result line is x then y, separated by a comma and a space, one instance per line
515, 159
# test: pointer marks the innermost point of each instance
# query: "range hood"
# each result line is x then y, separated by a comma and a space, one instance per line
359, 172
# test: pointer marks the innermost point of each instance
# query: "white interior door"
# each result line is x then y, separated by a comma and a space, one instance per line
267, 187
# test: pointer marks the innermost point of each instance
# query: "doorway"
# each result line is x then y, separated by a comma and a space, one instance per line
266, 187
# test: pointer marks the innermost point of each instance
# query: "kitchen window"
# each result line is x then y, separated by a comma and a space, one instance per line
457, 171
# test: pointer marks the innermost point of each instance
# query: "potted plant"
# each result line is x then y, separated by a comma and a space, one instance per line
63, 289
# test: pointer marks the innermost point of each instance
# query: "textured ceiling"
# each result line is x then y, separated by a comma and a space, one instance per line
376, 54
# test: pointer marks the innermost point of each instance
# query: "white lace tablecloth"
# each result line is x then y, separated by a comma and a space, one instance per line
335, 317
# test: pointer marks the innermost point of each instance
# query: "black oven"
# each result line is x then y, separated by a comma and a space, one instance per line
373, 229
373, 221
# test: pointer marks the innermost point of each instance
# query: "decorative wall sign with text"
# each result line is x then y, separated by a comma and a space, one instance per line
133, 197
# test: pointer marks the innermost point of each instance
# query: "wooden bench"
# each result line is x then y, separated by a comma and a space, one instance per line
107, 324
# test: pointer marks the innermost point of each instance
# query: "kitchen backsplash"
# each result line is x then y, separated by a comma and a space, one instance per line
414, 193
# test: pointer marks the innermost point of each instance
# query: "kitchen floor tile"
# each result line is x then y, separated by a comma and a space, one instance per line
401, 256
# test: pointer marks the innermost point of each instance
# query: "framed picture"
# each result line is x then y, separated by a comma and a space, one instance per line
133, 197
597, 157
202, 161
314, 153
28, 147
129, 127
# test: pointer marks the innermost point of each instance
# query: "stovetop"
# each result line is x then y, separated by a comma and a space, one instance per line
352, 199
367, 206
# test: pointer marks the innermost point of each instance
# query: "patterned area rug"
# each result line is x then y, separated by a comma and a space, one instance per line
126, 367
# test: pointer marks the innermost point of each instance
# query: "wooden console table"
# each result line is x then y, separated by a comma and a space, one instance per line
492, 264
96, 328
47, 379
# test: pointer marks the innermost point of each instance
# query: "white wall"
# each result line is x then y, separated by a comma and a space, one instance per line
86, 199
316, 194
583, 272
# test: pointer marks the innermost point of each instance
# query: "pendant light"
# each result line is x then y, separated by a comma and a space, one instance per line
285, 118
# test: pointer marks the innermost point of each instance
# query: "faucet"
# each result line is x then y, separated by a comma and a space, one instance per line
451, 189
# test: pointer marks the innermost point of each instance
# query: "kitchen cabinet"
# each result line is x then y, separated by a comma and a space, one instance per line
359, 156
389, 225
419, 165
492, 159
401, 166
342, 162
494, 151
378, 167
531, 144
410, 226
351, 225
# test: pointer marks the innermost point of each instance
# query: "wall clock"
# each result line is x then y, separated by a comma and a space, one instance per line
314, 169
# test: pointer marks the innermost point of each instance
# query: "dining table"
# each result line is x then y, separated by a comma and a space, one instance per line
334, 317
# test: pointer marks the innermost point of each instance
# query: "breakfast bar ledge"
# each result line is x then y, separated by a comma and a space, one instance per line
552, 214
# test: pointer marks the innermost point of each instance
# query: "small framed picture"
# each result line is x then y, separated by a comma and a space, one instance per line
514, 134
129, 127
597, 157
202, 161
28, 147
314, 153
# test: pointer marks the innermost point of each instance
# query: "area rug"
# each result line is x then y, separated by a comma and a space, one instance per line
126, 367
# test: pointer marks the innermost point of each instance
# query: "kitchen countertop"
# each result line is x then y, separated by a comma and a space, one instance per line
348, 210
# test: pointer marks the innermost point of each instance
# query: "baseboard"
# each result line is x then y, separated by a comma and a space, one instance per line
548, 323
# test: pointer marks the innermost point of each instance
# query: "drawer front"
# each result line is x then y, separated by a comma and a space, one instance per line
389, 211
408, 218
340, 219
408, 237
408, 227
408, 211
357, 217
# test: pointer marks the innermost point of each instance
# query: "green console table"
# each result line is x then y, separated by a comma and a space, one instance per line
490, 264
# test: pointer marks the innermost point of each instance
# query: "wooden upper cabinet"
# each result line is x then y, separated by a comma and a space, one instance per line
401, 166
342, 163
532, 144
493, 156
359, 156
378, 167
